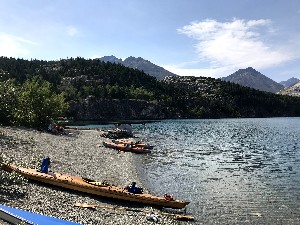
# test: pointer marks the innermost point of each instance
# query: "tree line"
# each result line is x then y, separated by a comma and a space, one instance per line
32, 92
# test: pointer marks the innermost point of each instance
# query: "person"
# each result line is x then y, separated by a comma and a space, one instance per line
45, 165
56, 129
134, 189
128, 145
51, 127
60, 129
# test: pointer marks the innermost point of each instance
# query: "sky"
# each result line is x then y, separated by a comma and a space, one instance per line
212, 38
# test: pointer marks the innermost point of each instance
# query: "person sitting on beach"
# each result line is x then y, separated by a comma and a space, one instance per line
51, 127
60, 129
55, 129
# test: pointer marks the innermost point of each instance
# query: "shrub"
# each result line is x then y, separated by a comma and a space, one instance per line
8, 99
37, 104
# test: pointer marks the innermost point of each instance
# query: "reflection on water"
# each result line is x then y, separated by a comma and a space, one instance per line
234, 171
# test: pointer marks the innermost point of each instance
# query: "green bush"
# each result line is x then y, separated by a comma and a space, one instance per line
140, 93
37, 104
8, 98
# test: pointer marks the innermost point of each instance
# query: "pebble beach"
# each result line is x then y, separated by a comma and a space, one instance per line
80, 153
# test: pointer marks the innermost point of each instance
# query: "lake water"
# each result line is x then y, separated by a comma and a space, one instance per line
233, 171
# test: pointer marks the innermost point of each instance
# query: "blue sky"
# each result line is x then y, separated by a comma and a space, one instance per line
188, 37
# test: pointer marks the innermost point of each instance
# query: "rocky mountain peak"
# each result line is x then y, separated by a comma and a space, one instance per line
290, 82
140, 64
111, 59
250, 77
250, 69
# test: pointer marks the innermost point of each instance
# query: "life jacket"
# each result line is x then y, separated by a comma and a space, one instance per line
45, 165
168, 197
135, 190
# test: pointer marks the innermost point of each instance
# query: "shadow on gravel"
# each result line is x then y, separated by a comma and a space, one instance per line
8, 193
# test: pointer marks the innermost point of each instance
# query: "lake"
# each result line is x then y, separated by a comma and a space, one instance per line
233, 171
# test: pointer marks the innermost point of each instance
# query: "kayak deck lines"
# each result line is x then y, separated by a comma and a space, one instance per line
83, 185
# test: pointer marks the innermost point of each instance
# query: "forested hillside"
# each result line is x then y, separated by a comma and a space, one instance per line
214, 98
96, 90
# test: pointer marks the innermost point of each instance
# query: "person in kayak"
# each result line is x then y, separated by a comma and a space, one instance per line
134, 189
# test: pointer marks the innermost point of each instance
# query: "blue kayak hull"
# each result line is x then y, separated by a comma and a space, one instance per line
16, 216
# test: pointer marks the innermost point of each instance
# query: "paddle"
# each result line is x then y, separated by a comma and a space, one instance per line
174, 215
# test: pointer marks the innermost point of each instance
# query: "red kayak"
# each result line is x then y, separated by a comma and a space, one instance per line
135, 144
126, 147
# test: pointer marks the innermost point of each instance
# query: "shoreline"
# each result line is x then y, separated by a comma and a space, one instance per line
79, 153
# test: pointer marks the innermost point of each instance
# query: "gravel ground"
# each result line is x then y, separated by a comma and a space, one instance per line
78, 153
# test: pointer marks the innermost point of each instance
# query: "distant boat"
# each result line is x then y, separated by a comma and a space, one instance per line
93, 187
19, 216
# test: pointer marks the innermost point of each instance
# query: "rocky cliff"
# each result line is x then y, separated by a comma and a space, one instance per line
292, 90
115, 109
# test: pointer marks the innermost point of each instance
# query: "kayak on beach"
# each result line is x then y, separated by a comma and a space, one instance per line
126, 147
93, 187
19, 216
132, 143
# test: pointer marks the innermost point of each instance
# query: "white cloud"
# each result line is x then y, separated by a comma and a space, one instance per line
72, 31
13, 46
234, 45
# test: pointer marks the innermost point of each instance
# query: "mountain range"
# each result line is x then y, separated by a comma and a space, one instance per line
248, 77
141, 64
